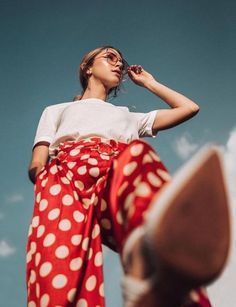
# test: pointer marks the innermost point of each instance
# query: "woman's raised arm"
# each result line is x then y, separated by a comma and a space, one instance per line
182, 108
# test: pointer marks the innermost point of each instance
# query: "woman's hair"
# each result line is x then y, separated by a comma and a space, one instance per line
86, 62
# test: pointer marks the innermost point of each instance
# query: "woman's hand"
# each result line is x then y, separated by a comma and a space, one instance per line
139, 76
39, 159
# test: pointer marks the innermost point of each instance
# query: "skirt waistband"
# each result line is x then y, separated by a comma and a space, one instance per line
108, 147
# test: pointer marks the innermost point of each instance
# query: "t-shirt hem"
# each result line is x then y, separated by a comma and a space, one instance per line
42, 139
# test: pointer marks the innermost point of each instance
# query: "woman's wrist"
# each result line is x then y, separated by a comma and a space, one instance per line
153, 86
34, 171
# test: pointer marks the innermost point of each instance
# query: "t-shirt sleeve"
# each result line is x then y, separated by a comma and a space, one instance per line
145, 122
46, 129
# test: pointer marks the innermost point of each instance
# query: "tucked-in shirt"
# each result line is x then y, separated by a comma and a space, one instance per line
91, 117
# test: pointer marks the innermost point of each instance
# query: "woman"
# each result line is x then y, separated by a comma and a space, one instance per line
96, 182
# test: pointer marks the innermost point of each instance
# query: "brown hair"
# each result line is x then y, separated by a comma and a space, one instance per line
86, 62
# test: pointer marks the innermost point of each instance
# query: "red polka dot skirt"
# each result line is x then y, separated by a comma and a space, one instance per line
93, 192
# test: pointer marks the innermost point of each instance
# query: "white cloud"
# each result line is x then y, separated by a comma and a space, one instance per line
230, 162
15, 198
184, 146
222, 292
5, 249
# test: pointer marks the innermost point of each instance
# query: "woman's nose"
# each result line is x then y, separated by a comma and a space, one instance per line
119, 64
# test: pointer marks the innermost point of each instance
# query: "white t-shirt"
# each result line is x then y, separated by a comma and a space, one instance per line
91, 117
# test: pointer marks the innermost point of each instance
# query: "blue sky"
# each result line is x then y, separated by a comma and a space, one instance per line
187, 45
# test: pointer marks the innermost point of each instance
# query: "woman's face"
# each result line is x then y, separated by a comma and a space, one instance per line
107, 68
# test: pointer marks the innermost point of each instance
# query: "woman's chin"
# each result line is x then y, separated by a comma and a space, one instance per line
114, 84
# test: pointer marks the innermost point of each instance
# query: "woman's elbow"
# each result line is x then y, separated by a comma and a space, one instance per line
194, 109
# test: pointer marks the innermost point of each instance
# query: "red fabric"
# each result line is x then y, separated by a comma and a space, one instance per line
91, 193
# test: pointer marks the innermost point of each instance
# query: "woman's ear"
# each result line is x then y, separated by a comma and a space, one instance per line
89, 71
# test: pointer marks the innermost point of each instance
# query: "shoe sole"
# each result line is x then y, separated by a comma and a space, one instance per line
188, 224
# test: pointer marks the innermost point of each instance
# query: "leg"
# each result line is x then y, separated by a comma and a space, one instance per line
133, 188
64, 255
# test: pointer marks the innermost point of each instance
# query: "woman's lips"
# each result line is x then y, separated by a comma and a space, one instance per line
117, 72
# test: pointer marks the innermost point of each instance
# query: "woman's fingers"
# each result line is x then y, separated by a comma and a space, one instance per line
135, 68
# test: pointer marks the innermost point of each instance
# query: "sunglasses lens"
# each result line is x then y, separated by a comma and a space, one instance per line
112, 58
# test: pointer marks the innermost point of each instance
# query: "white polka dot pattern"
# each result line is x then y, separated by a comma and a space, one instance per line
90, 253
53, 169
101, 290
43, 204
53, 214
44, 182
92, 161
40, 231
37, 259
91, 283
143, 190
136, 150
163, 174
74, 152
67, 200
154, 156
74, 197
85, 157
96, 231
38, 197
103, 205
44, 301
78, 216
64, 225
129, 200
59, 281
49, 240
76, 239
79, 185
35, 221
32, 277
82, 170
55, 189
154, 180
86, 202
98, 259
37, 290
94, 171
119, 218
71, 164
147, 159
71, 295
76, 264
122, 188
65, 180
82, 303
129, 168
33, 247
62, 252
85, 244
45, 269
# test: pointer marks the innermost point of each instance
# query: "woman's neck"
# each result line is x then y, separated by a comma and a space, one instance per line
98, 92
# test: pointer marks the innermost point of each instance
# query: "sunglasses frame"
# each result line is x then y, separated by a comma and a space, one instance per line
125, 64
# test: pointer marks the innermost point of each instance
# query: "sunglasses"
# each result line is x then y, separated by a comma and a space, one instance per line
113, 59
